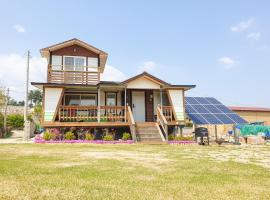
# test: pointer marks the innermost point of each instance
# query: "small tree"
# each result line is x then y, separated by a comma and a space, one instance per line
35, 97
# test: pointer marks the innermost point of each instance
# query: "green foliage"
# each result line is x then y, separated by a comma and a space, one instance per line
47, 136
69, 136
108, 138
2, 97
126, 136
35, 96
189, 124
183, 138
13, 102
89, 136
38, 111
1, 120
15, 121
103, 119
171, 137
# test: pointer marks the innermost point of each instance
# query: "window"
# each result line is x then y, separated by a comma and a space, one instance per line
74, 63
89, 100
81, 100
111, 99
92, 64
56, 62
72, 100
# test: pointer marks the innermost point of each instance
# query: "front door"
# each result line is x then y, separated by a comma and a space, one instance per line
138, 105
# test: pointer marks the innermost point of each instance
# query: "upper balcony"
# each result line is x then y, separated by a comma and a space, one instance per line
69, 75
74, 62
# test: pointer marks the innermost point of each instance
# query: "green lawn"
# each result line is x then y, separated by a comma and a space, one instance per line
74, 171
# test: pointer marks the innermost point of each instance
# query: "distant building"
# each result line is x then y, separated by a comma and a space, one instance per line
253, 114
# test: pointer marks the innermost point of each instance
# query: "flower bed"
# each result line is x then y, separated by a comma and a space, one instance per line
183, 142
40, 140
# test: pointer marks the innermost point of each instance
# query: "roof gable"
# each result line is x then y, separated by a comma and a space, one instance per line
148, 77
45, 52
72, 42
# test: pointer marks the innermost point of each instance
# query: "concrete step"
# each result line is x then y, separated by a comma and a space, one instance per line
147, 129
148, 134
150, 140
147, 137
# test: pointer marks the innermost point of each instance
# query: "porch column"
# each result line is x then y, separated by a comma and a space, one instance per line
98, 111
161, 103
125, 104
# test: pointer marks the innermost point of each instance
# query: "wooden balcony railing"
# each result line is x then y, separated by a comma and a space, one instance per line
83, 75
167, 112
90, 114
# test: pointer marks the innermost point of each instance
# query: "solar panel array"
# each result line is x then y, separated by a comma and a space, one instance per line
208, 110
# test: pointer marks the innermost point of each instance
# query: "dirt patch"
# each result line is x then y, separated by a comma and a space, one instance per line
258, 155
154, 161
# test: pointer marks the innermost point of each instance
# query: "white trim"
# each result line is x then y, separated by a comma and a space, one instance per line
74, 66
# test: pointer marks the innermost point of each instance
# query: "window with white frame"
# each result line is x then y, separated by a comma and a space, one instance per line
92, 63
74, 63
81, 100
111, 99
56, 62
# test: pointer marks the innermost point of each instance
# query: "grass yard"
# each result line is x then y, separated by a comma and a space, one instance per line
74, 171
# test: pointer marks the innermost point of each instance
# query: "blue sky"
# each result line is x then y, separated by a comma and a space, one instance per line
222, 47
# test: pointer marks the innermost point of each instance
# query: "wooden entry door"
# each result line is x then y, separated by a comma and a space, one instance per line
149, 101
138, 106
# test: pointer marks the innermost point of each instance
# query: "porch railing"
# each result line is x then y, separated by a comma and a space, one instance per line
162, 121
131, 122
86, 75
90, 114
167, 112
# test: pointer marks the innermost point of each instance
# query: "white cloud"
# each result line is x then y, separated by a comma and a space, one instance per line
148, 66
19, 28
254, 36
227, 62
112, 74
243, 25
13, 72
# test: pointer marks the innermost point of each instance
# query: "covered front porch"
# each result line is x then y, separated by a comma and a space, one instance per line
106, 106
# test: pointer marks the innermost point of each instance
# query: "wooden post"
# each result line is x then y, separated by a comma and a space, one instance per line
98, 111
161, 103
236, 138
125, 104
216, 132
5, 114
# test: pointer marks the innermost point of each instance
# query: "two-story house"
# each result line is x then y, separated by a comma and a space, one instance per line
74, 95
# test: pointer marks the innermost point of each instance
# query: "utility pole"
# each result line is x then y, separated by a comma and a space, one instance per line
5, 114
26, 134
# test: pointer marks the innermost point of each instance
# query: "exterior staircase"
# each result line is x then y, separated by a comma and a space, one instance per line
149, 132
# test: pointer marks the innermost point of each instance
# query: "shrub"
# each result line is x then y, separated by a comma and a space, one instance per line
126, 136
1, 120
108, 138
171, 137
103, 119
69, 136
183, 138
47, 136
89, 136
15, 121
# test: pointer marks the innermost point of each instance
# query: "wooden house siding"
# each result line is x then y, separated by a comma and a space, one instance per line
74, 50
